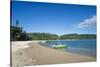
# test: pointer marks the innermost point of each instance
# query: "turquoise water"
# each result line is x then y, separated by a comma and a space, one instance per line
83, 46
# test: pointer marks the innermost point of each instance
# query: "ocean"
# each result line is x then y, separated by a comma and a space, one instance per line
85, 47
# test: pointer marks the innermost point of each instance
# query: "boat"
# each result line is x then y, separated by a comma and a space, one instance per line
59, 46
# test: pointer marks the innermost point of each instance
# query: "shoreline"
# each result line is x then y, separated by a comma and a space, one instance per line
35, 54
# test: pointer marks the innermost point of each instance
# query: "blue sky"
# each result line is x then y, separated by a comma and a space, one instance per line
54, 18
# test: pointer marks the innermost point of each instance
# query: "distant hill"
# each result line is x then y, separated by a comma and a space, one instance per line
78, 36
49, 36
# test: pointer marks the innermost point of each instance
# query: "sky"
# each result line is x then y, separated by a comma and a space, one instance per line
54, 18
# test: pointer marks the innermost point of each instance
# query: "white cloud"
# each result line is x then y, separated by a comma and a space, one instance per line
88, 23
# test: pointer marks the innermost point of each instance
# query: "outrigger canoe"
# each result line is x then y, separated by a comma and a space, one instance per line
59, 46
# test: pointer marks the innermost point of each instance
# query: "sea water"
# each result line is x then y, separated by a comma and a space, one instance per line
85, 47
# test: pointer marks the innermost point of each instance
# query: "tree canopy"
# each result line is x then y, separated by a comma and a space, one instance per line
17, 33
78, 36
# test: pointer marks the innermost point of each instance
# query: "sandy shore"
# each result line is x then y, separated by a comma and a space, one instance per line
31, 53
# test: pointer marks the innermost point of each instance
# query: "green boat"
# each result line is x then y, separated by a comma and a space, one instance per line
59, 46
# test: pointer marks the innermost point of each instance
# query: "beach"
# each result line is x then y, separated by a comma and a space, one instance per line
28, 53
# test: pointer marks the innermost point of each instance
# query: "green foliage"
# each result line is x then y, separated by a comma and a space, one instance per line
43, 36
49, 36
78, 36
17, 34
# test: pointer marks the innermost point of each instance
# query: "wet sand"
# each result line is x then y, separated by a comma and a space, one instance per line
31, 53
